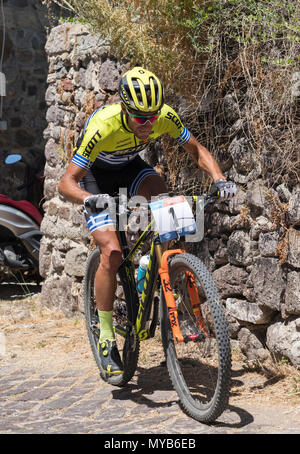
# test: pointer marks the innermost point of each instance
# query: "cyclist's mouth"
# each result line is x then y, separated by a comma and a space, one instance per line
143, 133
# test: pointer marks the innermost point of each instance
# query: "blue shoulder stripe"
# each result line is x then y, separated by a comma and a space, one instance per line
184, 137
80, 161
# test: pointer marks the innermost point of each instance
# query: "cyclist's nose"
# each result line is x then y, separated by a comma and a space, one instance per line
147, 124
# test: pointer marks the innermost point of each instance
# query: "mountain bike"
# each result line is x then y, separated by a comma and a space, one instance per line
180, 295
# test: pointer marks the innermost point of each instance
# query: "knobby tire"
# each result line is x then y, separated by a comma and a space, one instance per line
200, 371
128, 346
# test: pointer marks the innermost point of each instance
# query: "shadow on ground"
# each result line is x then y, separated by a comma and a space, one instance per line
154, 389
12, 290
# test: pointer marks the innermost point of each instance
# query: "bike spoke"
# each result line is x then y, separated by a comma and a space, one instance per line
125, 340
199, 366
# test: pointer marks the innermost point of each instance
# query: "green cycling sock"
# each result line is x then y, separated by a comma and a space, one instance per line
106, 325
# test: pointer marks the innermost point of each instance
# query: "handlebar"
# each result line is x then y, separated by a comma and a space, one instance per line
123, 207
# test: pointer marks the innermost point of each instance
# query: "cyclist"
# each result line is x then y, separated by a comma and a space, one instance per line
107, 158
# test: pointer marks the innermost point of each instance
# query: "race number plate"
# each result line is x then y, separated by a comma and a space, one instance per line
173, 217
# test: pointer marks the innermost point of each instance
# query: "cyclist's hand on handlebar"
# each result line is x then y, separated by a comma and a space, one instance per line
226, 189
97, 202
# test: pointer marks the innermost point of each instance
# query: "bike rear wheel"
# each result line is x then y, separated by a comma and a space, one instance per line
127, 341
200, 369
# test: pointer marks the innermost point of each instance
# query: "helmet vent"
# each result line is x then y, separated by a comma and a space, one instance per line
141, 90
137, 90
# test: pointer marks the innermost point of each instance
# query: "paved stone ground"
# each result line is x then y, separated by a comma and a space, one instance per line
49, 384
78, 401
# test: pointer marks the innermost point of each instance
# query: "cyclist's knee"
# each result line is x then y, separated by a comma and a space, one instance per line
111, 258
114, 259
111, 254
152, 185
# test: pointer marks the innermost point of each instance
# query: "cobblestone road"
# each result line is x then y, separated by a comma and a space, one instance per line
49, 384
78, 401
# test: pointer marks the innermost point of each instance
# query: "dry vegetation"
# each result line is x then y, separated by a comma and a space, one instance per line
203, 50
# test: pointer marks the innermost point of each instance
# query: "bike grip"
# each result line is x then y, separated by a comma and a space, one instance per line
215, 193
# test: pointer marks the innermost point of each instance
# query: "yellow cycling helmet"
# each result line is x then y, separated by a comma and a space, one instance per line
141, 91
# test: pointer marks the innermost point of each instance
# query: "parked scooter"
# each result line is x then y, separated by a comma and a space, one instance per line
20, 221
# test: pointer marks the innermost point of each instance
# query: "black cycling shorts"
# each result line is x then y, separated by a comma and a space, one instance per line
107, 181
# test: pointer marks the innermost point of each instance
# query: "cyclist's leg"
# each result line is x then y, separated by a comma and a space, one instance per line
105, 288
152, 185
111, 257
102, 228
144, 180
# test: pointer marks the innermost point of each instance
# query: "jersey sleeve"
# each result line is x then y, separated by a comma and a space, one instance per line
87, 147
174, 126
184, 137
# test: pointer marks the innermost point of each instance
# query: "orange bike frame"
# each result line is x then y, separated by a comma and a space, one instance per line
170, 300
169, 297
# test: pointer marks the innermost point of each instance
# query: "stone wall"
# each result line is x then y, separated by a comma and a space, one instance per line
252, 245
25, 68
255, 262
82, 76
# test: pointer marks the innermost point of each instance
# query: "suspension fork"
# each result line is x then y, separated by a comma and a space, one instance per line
163, 269
195, 300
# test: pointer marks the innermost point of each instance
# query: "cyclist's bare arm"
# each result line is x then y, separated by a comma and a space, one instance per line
68, 184
204, 159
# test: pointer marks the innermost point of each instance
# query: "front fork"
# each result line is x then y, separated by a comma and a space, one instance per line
163, 269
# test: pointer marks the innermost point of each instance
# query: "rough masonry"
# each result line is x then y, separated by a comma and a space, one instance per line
252, 245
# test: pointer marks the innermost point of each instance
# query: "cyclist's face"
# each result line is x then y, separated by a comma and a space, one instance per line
142, 131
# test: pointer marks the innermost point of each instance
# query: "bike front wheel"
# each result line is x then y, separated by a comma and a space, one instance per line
127, 341
200, 367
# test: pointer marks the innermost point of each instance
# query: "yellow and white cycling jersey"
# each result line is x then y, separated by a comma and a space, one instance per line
108, 141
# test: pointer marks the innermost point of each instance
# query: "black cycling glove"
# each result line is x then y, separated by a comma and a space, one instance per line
96, 203
227, 189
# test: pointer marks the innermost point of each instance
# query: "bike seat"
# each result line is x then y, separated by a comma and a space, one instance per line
24, 206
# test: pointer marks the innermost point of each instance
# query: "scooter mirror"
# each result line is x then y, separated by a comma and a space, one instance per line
13, 158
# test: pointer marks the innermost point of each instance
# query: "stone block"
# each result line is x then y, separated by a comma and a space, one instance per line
238, 248
292, 294
109, 75
45, 256
230, 280
76, 261
293, 258
294, 209
251, 346
235, 205
231, 107
283, 339
58, 261
268, 243
244, 311
283, 192
256, 198
261, 225
57, 292
64, 38
244, 159
267, 280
